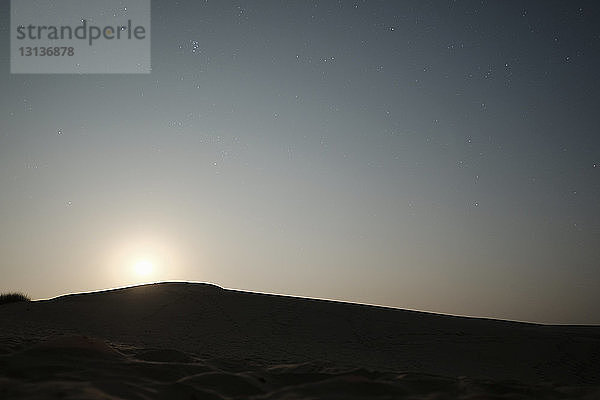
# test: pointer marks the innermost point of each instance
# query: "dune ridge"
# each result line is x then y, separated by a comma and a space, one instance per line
191, 340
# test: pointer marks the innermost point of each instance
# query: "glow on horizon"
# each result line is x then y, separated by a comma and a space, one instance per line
144, 268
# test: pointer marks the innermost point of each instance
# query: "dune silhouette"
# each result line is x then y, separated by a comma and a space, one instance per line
191, 340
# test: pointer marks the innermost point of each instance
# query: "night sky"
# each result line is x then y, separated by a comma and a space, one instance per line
430, 155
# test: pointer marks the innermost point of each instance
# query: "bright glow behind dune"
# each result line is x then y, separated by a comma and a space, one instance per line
140, 256
144, 268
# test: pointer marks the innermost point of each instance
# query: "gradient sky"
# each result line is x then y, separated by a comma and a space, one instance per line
431, 155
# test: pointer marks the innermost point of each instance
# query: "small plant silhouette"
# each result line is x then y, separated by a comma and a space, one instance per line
13, 298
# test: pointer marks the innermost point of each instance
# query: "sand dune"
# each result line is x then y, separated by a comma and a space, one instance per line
198, 341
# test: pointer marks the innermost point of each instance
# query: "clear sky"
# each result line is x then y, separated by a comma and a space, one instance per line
431, 155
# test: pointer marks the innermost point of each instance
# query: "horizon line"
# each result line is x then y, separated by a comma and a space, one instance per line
319, 299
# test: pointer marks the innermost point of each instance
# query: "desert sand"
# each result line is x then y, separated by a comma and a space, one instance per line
199, 341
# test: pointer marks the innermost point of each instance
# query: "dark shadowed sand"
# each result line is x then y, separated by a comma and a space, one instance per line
198, 341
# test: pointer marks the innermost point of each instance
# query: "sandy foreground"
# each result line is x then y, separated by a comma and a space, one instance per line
199, 341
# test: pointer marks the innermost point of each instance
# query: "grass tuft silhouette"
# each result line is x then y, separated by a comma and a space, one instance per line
6, 298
